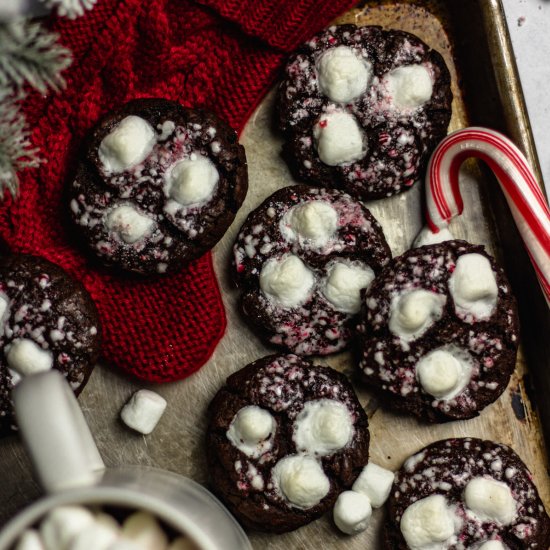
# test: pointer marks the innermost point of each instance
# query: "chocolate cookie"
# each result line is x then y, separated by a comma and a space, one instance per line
463, 494
301, 259
363, 108
159, 185
440, 331
284, 439
47, 320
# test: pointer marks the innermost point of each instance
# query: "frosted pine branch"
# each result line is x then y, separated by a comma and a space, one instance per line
70, 8
28, 53
16, 151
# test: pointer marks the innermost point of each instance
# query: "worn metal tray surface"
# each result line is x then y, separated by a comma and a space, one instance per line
474, 43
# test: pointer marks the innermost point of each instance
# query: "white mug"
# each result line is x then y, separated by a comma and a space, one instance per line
70, 469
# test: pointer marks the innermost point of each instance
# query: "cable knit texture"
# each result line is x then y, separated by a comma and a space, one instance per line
220, 55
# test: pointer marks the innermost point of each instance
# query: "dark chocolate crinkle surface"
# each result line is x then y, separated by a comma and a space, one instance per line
167, 230
48, 318
283, 387
332, 246
446, 468
397, 138
485, 346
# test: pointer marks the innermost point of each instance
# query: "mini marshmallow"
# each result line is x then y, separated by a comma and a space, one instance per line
29, 540
343, 76
142, 529
129, 224
339, 139
493, 545
315, 221
182, 543
413, 312
287, 281
129, 143
301, 480
193, 181
490, 500
352, 512
96, 535
375, 483
26, 357
409, 86
426, 236
323, 427
428, 521
344, 284
250, 429
473, 286
143, 411
122, 544
62, 524
444, 372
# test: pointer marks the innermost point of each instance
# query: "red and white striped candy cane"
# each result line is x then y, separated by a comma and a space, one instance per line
525, 198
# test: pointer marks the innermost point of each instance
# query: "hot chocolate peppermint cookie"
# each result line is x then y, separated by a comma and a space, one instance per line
465, 494
440, 331
362, 109
302, 258
284, 439
47, 320
159, 185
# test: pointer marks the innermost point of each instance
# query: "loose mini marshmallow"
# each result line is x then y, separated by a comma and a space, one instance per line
144, 530
315, 221
301, 480
493, 545
413, 312
129, 143
490, 500
339, 139
352, 512
444, 372
143, 411
182, 543
251, 429
192, 181
426, 236
287, 281
26, 357
343, 76
409, 86
428, 521
96, 535
129, 224
344, 284
62, 524
323, 427
29, 540
374, 482
473, 286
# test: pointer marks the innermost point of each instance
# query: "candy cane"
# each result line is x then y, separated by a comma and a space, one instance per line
523, 194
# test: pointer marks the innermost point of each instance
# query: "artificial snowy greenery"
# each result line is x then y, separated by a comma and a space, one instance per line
70, 8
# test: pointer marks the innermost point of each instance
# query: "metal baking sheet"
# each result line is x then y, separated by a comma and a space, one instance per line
473, 38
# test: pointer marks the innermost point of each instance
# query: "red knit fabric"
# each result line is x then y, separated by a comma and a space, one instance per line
220, 55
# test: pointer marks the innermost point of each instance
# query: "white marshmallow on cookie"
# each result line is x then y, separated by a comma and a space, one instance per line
314, 221
342, 74
25, 357
143, 530
352, 512
62, 524
492, 545
339, 139
344, 284
473, 286
29, 540
301, 480
143, 411
192, 181
4, 309
251, 430
129, 224
375, 483
490, 500
413, 312
322, 427
429, 521
128, 144
287, 280
409, 86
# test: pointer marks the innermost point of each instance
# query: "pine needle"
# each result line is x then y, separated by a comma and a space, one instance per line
70, 8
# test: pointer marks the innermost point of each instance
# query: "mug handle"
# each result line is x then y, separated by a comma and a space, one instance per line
55, 432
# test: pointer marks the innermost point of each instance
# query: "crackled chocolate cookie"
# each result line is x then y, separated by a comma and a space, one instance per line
284, 439
302, 258
159, 186
440, 331
465, 494
362, 108
47, 320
